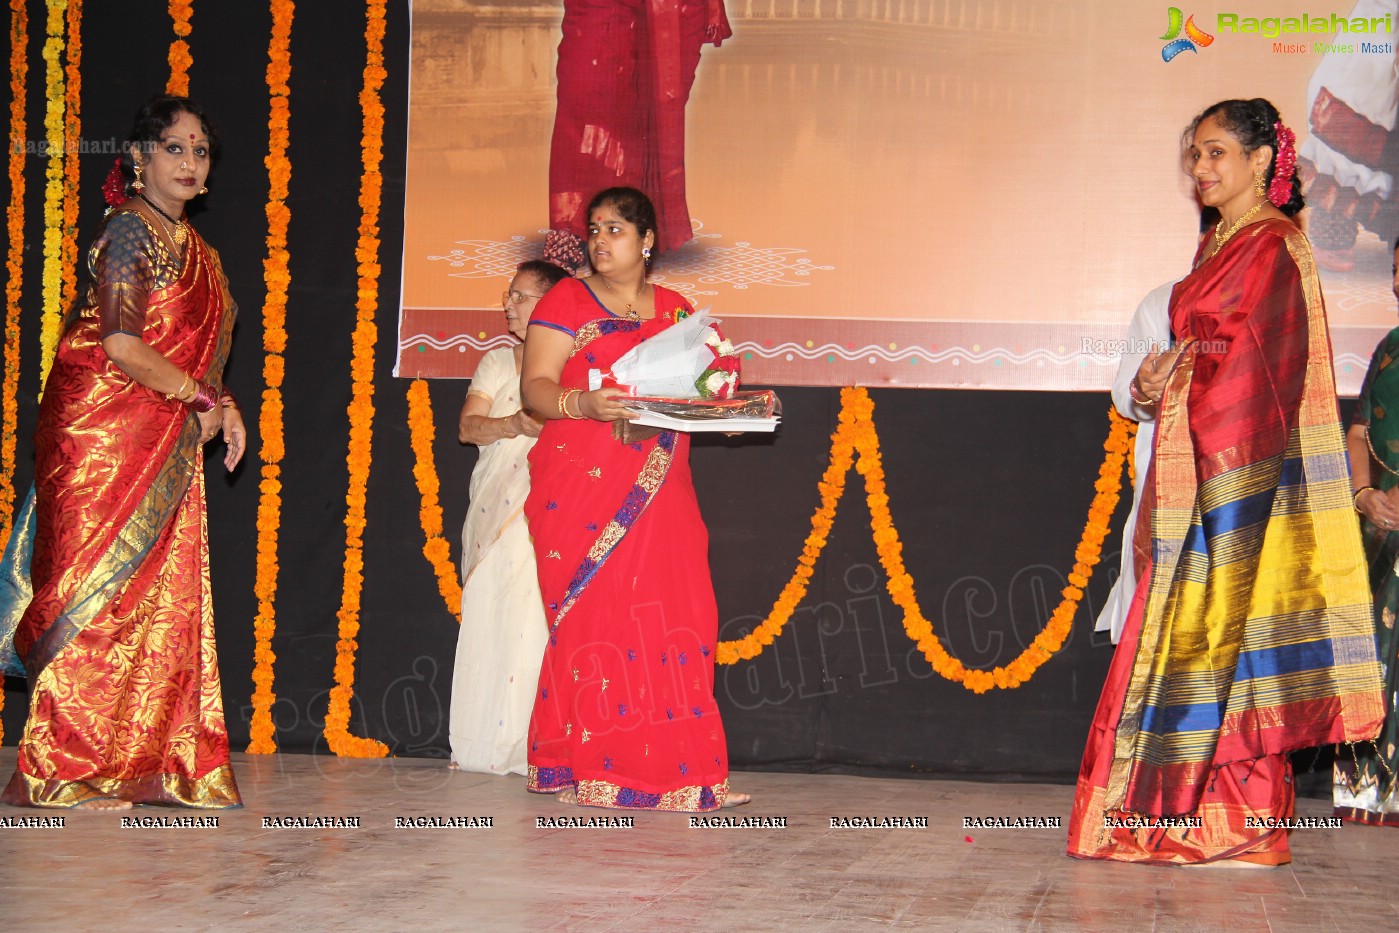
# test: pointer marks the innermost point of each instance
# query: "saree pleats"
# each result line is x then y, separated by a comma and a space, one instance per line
1231, 820
1251, 637
625, 710
115, 630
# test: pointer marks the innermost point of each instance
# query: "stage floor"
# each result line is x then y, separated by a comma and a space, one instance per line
659, 874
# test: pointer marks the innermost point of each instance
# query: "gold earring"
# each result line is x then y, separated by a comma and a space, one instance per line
203, 190
137, 185
1259, 188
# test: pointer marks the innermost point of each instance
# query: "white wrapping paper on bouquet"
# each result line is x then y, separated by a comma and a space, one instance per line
670, 363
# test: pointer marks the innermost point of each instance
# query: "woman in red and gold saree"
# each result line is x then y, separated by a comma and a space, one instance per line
625, 713
1250, 636
106, 578
624, 76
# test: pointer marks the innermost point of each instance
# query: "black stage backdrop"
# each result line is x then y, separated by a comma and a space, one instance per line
989, 490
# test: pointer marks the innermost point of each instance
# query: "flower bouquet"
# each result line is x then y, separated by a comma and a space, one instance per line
690, 359
684, 378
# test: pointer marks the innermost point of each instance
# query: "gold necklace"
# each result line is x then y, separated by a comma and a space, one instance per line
1221, 239
629, 314
176, 229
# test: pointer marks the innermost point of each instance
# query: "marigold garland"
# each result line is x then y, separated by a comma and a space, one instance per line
271, 427
53, 185
438, 552
361, 409
14, 267
854, 434
72, 133
180, 59
1132, 457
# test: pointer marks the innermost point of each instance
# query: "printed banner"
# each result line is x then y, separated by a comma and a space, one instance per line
932, 193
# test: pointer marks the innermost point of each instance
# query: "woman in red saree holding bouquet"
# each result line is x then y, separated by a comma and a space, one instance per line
1249, 637
104, 589
625, 714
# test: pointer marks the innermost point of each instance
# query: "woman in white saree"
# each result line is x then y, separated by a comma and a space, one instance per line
502, 617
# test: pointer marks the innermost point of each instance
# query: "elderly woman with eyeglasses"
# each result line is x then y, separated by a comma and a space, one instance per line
502, 616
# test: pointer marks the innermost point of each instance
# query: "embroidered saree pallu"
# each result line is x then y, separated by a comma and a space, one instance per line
1250, 635
106, 579
625, 709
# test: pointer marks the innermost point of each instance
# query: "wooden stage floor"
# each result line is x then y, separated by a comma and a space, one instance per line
661, 874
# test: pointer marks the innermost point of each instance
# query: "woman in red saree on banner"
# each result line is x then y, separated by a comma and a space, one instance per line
1249, 637
104, 588
625, 714
624, 76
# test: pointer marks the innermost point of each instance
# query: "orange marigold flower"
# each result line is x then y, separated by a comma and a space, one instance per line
856, 435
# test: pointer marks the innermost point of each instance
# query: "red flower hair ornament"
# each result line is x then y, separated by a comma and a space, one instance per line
1280, 189
114, 186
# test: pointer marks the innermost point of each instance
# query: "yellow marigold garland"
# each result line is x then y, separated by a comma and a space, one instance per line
53, 185
438, 552
14, 267
72, 133
271, 427
855, 433
180, 58
361, 410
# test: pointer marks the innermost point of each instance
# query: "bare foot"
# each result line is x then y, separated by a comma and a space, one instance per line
1229, 863
567, 796
452, 765
103, 803
736, 800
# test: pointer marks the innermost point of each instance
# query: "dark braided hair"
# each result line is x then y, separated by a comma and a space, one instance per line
1252, 122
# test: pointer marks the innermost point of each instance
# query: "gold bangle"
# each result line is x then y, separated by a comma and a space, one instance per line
178, 393
563, 404
1134, 389
1355, 498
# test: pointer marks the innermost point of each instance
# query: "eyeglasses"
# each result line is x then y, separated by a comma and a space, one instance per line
517, 298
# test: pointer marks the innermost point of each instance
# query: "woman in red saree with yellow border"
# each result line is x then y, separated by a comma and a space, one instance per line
625, 714
106, 591
1250, 639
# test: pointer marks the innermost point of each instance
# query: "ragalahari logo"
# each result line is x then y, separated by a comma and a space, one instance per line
1175, 43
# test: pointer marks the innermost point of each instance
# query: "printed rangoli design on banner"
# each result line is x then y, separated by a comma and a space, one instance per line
694, 271
486, 259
